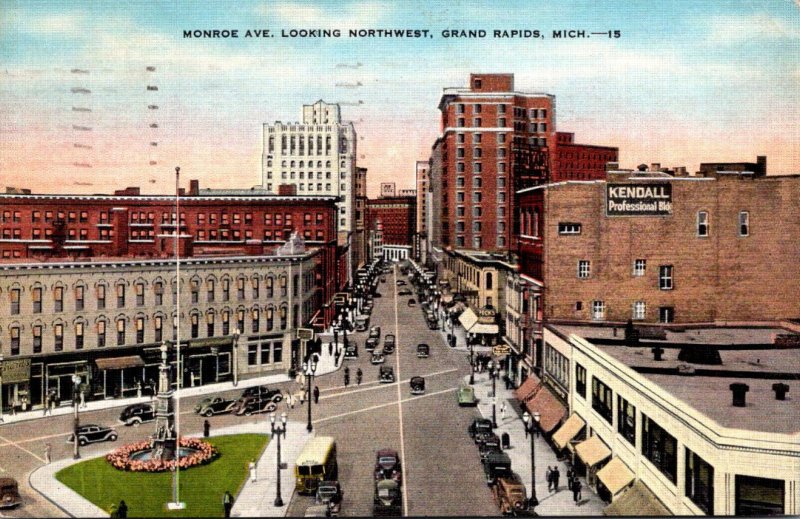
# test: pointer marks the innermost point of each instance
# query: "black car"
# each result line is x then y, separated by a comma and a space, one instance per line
214, 405
253, 405
91, 433
371, 344
386, 375
375, 332
137, 414
264, 392
479, 425
482, 438
351, 350
412, 302
389, 344
400, 282
496, 465
487, 447
423, 351
404, 292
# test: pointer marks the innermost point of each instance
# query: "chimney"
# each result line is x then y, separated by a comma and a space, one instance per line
655, 166
780, 390
739, 392
761, 160
287, 190
657, 352
612, 166
194, 187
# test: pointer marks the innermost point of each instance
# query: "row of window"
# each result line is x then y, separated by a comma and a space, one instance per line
477, 241
665, 272
477, 168
666, 314
298, 144
704, 224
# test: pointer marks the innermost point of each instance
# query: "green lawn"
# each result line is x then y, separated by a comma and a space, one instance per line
146, 494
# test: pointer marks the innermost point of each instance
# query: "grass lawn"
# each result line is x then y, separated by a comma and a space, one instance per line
146, 494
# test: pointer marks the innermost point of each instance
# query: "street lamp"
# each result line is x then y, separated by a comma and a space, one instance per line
534, 424
236, 334
493, 375
278, 431
471, 362
309, 368
76, 387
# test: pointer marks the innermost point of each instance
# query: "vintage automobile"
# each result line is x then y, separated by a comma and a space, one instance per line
215, 405
91, 433
389, 344
489, 445
371, 344
466, 396
9, 493
254, 405
137, 414
362, 323
387, 465
479, 425
367, 309
433, 324
483, 437
404, 292
375, 332
496, 465
351, 350
510, 496
383, 279
318, 511
386, 375
417, 385
423, 351
400, 282
264, 392
388, 498
330, 493
377, 357
412, 302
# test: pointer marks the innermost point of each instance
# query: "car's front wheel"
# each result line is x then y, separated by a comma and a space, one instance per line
208, 413
136, 422
113, 437
82, 441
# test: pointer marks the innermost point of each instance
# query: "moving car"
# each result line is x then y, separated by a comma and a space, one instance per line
387, 465
404, 292
433, 324
375, 332
412, 302
510, 496
417, 385
330, 493
389, 344
254, 405
215, 405
9, 493
371, 344
495, 466
351, 350
362, 323
466, 396
388, 498
400, 282
479, 425
137, 414
91, 433
264, 392
423, 351
386, 375
377, 357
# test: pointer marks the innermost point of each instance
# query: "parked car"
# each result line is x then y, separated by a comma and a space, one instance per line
215, 405
318, 511
479, 425
351, 350
91, 433
9, 493
371, 344
433, 324
386, 375
412, 302
366, 309
417, 385
387, 465
254, 405
137, 414
510, 496
375, 332
495, 466
423, 351
362, 323
330, 493
383, 279
377, 357
389, 344
404, 292
400, 282
466, 396
264, 392
483, 437
489, 445
388, 498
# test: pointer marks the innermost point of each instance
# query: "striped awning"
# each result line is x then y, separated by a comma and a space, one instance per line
551, 410
592, 451
527, 388
568, 431
615, 475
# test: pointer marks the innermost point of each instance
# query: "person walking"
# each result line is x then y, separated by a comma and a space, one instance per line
556, 477
114, 514
83, 399
47, 449
46, 404
227, 503
570, 476
503, 412
316, 394
346, 376
330, 349
359, 376
206, 428
549, 478
253, 468
122, 510
289, 401
576, 490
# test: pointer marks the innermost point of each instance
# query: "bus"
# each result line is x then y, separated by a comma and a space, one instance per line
316, 463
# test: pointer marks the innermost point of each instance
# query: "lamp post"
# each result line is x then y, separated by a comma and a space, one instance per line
76, 387
278, 431
236, 334
471, 363
493, 375
309, 368
530, 427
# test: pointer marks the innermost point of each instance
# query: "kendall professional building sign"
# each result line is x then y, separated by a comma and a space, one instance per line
639, 199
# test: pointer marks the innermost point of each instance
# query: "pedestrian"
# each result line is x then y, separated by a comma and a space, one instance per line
206, 428
576, 490
346, 379
316, 394
24, 403
503, 412
556, 477
330, 349
253, 468
227, 503
114, 512
570, 475
122, 510
47, 449
336, 336
359, 376
83, 399
549, 478
46, 403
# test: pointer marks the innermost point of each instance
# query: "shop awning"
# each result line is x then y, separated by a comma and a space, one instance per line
615, 476
637, 501
550, 409
468, 319
568, 431
592, 451
486, 329
131, 361
526, 389
211, 341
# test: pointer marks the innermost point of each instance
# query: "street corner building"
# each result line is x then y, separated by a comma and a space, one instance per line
89, 287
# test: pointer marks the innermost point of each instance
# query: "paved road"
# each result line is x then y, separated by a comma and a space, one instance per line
442, 472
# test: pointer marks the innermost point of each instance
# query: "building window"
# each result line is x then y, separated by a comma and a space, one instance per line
270, 319
665, 277
639, 310
256, 287
101, 334
744, 223
699, 485
226, 289
79, 299
210, 290
660, 448
58, 299
256, 315
37, 338
639, 267
602, 399
252, 354
598, 310
277, 352
120, 296
584, 267
240, 321
58, 332
702, 223
158, 289
569, 228
121, 332
158, 326
760, 496
226, 322
15, 295
139, 294
139, 330
265, 353
284, 288
270, 287
666, 314
459, 108
626, 420
580, 380
460, 122
283, 316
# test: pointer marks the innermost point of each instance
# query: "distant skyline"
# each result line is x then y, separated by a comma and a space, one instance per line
687, 82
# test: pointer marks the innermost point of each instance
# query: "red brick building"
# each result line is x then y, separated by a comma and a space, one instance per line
398, 214
573, 161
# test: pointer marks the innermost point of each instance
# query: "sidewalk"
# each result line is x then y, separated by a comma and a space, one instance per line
550, 503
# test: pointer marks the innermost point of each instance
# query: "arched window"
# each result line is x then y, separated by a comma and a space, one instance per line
488, 281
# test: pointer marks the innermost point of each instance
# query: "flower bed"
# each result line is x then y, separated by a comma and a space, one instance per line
120, 458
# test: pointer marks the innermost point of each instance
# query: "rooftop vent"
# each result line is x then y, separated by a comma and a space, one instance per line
700, 355
739, 392
657, 352
780, 390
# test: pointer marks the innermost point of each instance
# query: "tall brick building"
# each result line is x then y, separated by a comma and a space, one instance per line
398, 216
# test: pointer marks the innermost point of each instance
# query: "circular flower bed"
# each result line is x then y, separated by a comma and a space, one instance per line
203, 452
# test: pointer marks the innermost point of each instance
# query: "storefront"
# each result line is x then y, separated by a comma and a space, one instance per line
591, 453
15, 375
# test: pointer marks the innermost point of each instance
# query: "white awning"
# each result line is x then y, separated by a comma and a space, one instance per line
592, 451
615, 475
568, 431
468, 319
488, 329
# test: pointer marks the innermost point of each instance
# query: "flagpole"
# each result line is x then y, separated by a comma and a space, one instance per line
176, 503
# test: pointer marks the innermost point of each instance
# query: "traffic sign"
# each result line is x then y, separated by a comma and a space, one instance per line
305, 334
501, 349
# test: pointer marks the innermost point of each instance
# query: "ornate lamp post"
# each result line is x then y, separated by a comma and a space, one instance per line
530, 427
277, 432
493, 375
236, 334
76, 388
309, 368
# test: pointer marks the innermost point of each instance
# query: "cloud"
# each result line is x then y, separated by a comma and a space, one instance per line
63, 24
355, 15
759, 26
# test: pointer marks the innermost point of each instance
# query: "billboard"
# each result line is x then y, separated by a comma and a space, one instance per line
639, 199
